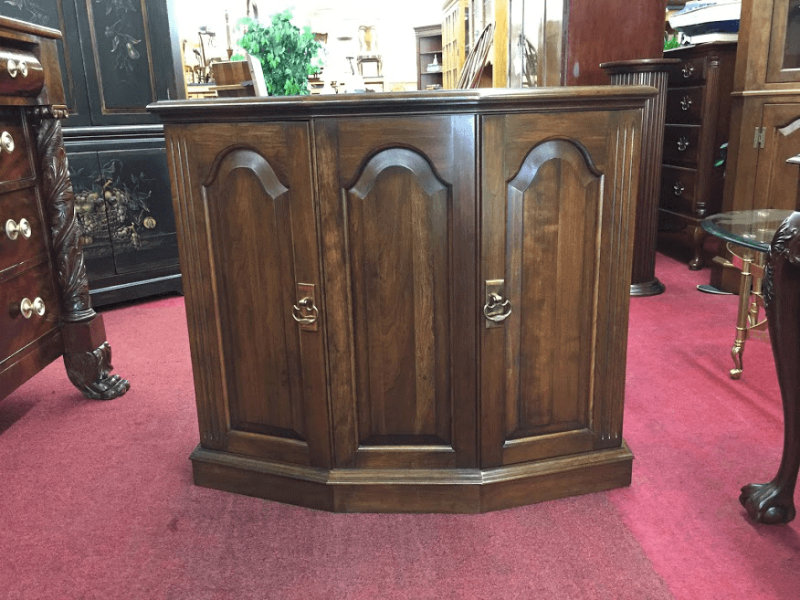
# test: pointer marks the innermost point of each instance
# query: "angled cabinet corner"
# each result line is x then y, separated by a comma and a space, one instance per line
557, 222
245, 205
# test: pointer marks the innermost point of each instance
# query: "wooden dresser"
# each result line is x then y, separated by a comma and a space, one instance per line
117, 57
697, 124
46, 312
409, 302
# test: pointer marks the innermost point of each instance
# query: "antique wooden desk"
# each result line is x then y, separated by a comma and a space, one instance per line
409, 302
43, 287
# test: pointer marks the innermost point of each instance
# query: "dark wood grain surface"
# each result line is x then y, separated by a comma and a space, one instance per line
773, 502
47, 269
397, 209
652, 72
698, 120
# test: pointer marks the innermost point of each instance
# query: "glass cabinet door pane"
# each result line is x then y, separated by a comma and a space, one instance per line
783, 64
791, 55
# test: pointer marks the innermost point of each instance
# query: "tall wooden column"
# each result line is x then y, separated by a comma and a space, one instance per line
652, 72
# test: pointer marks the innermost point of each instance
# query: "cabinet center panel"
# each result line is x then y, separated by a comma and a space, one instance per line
399, 231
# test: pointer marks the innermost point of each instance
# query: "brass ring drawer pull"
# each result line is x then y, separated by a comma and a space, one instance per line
496, 309
7, 142
677, 189
683, 143
686, 103
687, 71
301, 313
27, 308
14, 229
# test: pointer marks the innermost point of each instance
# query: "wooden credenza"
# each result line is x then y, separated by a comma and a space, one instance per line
46, 311
411, 302
697, 124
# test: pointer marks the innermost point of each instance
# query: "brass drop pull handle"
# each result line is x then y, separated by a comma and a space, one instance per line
686, 103
687, 71
683, 144
27, 308
7, 142
306, 313
677, 189
14, 229
496, 309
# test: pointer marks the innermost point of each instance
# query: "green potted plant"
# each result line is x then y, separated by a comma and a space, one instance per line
287, 54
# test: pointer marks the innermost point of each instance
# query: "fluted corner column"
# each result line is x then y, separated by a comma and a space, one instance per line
653, 72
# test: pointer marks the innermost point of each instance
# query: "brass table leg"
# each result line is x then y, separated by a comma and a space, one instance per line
745, 281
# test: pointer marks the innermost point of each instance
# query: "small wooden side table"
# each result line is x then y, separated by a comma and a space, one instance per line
654, 72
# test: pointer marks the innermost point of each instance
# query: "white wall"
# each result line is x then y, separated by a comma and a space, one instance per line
395, 22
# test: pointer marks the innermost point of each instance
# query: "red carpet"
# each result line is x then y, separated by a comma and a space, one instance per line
97, 501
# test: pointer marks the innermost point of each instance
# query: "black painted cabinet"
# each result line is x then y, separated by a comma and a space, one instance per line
118, 56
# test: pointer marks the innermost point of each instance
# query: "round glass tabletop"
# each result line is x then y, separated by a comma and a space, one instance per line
752, 229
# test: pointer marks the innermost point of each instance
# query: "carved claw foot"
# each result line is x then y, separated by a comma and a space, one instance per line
90, 372
768, 503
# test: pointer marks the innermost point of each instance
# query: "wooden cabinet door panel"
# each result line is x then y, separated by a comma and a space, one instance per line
140, 216
402, 347
776, 182
556, 229
253, 221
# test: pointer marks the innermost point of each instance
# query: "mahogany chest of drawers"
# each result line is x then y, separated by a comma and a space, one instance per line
46, 312
696, 129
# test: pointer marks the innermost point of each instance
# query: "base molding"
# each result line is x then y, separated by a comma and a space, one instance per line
648, 288
417, 491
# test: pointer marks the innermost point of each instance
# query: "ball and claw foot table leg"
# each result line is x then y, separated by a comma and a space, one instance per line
773, 502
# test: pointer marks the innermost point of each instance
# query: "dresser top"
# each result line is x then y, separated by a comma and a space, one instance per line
484, 101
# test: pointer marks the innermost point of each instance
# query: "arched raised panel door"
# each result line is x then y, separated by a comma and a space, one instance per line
404, 401
399, 232
546, 255
262, 245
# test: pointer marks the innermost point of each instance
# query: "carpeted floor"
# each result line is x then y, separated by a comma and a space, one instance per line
97, 500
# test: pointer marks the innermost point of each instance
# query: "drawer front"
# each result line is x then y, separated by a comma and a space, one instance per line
15, 161
688, 72
677, 189
19, 215
18, 331
685, 105
21, 73
680, 144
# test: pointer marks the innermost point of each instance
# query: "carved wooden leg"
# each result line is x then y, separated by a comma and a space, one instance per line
698, 235
87, 355
773, 502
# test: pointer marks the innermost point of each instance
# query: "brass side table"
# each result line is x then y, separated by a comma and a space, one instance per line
748, 234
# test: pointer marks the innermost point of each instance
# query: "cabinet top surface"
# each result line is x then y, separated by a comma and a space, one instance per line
8, 24
490, 100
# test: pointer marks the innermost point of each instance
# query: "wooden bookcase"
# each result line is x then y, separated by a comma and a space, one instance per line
429, 50
455, 26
